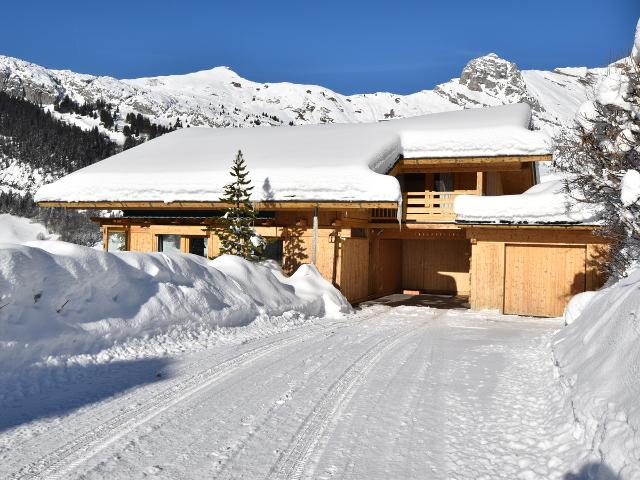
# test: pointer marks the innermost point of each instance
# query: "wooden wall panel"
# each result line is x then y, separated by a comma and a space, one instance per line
354, 268
540, 279
542, 235
465, 180
297, 247
487, 276
436, 266
596, 258
140, 239
493, 183
517, 181
385, 266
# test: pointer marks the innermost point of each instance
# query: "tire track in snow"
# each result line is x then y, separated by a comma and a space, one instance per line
59, 463
292, 463
221, 469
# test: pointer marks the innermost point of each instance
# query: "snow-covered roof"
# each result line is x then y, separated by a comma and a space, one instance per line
337, 162
545, 203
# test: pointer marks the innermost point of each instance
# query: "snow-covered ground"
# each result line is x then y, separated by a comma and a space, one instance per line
404, 392
128, 365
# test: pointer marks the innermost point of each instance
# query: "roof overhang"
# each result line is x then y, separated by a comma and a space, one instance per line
158, 205
440, 164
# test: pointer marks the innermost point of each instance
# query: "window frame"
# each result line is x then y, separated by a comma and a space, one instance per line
108, 231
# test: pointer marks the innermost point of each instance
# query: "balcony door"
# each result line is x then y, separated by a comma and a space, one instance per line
443, 182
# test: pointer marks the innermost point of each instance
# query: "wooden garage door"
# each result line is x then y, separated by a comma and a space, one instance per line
540, 279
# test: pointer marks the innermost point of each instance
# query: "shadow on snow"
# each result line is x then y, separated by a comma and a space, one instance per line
592, 471
63, 389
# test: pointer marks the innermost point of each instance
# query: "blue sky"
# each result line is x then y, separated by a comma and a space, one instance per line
349, 46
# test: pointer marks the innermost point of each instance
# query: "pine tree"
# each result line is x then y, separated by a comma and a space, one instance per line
601, 152
235, 229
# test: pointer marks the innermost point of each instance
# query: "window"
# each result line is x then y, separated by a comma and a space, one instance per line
198, 246
358, 233
443, 182
168, 243
116, 241
274, 249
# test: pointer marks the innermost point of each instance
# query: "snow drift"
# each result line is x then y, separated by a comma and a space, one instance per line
61, 300
598, 356
543, 203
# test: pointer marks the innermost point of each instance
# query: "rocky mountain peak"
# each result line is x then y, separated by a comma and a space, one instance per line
493, 75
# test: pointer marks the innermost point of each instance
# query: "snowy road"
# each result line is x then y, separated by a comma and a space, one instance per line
404, 392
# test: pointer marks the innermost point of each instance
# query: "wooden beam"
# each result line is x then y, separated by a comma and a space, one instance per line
288, 205
416, 226
476, 160
457, 167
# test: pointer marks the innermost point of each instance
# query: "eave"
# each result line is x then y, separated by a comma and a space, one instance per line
158, 205
441, 164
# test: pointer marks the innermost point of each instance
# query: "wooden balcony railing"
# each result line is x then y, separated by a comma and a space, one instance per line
423, 207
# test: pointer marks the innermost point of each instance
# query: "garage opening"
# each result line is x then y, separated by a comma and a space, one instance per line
429, 272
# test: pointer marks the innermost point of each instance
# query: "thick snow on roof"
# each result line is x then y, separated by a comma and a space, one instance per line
339, 162
543, 203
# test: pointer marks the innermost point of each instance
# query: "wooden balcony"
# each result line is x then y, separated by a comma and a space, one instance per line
419, 207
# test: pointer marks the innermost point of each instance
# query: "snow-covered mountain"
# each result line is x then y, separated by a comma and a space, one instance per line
221, 98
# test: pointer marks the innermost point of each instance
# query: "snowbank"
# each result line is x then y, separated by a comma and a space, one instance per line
543, 203
598, 356
64, 300
18, 230
345, 162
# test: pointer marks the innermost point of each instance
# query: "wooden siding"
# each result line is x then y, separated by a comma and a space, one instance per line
513, 183
385, 266
354, 268
487, 275
540, 279
140, 239
436, 266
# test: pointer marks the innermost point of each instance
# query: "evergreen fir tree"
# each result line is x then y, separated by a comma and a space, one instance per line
235, 228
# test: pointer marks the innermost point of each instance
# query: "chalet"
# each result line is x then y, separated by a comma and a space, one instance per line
434, 204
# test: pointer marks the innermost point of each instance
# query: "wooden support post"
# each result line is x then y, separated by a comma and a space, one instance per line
480, 183
314, 245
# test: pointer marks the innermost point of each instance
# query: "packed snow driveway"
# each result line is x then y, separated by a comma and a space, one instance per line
404, 392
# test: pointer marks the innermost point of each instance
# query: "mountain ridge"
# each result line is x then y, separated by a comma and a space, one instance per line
220, 97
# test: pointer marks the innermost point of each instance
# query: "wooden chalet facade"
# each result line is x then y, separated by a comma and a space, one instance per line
363, 249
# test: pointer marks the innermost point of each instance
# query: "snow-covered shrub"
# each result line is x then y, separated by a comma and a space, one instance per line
601, 152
